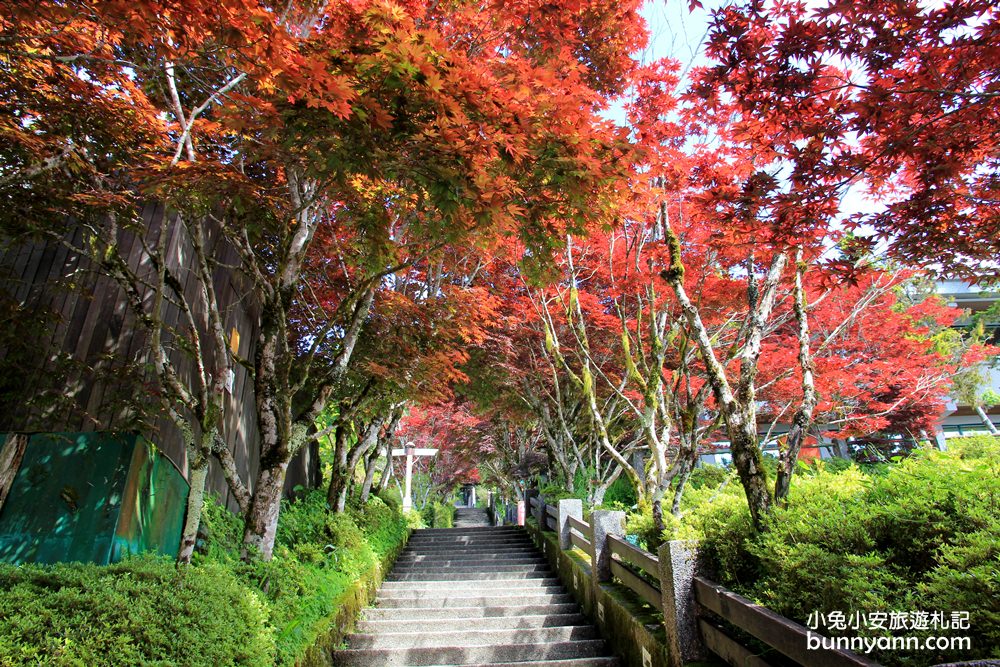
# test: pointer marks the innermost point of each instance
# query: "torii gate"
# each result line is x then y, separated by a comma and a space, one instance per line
409, 451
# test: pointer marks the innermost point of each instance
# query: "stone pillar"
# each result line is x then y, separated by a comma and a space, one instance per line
520, 512
602, 524
678, 565
568, 507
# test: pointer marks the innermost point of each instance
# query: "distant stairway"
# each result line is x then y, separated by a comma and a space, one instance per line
474, 596
470, 517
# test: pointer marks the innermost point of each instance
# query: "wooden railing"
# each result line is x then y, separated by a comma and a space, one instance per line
705, 605
629, 563
782, 634
578, 531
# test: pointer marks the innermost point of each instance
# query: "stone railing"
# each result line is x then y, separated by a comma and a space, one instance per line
695, 610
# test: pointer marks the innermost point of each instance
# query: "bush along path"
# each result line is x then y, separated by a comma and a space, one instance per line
474, 596
217, 612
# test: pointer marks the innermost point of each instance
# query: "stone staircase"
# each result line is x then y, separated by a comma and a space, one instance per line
470, 517
474, 596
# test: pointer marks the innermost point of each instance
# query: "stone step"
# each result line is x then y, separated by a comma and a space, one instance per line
470, 544
470, 537
468, 557
472, 547
499, 530
430, 594
474, 596
498, 600
460, 567
457, 560
461, 624
469, 655
603, 661
471, 531
472, 585
453, 576
470, 637
456, 554
469, 615
518, 550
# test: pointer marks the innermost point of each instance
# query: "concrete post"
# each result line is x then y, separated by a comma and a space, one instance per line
540, 513
678, 566
568, 507
520, 512
602, 524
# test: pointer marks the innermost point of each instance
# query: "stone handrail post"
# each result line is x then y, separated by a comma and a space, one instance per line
678, 567
602, 524
568, 507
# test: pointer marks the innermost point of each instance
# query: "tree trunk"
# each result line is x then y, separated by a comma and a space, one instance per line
786, 465
682, 479
382, 443
262, 519
658, 516
196, 500
739, 409
338, 481
370, 462
346, 460
748, 460
11, 455
689, 458
597, 497
802, 421
383, 482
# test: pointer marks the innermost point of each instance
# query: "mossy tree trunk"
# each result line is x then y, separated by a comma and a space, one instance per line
738, 406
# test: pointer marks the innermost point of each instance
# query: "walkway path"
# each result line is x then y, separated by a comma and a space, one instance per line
470, 517
474, 596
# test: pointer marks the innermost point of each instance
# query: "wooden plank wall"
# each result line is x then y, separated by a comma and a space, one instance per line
94, 329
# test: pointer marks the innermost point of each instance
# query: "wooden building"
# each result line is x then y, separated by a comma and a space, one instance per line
72, 358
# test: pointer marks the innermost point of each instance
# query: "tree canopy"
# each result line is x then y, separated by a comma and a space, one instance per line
451, 243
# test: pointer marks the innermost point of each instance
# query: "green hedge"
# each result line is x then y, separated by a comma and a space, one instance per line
219, 611
920, 535
140, 612
438, 514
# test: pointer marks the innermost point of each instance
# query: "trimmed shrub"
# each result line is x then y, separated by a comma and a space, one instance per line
438, 514
218, 611
140, 611
920, 535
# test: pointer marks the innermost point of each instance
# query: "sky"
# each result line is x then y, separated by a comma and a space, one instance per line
678, 32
